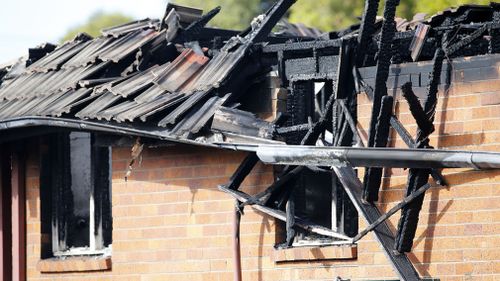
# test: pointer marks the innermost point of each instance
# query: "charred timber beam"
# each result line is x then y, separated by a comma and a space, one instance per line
354, 189
367, 29
450, 50
243, 197
247, 164
406, 137
293, 129
418, 41
408, 221
494, 24
431, 101
315, 131
417, 177
352, 123
192, 32
392, 211
373, 176
274, 188
317, 128
272, 17
301, 46
403, 133
242, 172
494, 46
379, 117
383, 64
290, 218
376, 157
267, 195
416, 109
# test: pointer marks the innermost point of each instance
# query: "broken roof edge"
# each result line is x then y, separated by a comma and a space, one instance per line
93, 126
119, 130
268, 152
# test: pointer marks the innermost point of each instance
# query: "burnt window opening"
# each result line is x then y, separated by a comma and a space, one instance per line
317, 195
75, 196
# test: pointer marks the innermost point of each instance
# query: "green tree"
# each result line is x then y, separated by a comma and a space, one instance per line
326, 14
97, 22
433, 6
235, 14
336, 14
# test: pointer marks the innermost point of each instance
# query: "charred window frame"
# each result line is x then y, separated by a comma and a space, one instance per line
315, 74
317, 195
75, 196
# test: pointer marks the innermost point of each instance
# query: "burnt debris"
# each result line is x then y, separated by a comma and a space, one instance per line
178, 79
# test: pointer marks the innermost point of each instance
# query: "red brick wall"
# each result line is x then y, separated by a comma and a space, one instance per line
171, 222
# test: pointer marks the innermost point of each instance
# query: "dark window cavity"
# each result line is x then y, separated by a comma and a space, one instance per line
75, 196
317, 195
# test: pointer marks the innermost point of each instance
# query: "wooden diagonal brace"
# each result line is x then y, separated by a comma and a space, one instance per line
407, 225
243, 197
392, 211
354, 188
418, 113
373, 175
402, 132
242, 172
275, 187
351, 123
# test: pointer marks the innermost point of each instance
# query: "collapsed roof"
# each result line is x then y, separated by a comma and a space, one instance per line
176, 79
157, 76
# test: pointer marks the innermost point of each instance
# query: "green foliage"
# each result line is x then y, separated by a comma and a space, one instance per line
235, 14
433, 6
326, 14
336, 14
97, 22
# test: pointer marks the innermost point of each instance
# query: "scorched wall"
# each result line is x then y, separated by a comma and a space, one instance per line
172, 223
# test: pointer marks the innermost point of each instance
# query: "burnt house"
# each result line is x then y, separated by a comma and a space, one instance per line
166, 149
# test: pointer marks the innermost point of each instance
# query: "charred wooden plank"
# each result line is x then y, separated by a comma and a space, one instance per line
274, 189
418, 177
293, 129
192, 32
408, 222
299, 106
451, 50
272, 17
416, 109
354, 188
383, 64
290, 219
418, 41
392, 211
373, 176
367, 29
241, 122
404, 134
352, 124
314, 132
494, 46
242, 172
243, 197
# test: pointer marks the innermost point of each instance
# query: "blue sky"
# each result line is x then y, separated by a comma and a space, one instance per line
27, 23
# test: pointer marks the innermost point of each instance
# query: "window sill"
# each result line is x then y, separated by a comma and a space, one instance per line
74, 264
316, 253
